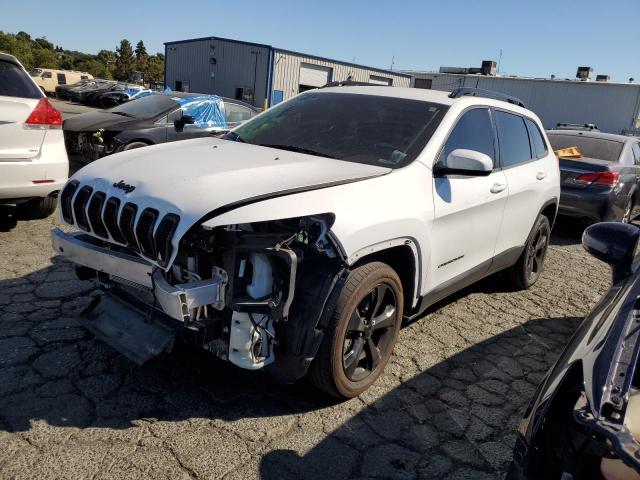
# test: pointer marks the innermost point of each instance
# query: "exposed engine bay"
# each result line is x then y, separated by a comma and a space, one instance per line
253, 294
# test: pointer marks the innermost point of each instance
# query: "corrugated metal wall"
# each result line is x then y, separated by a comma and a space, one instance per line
287, 72
218, 66
612, 107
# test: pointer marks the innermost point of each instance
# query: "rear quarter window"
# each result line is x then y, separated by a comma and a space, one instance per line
538, 145
15, 82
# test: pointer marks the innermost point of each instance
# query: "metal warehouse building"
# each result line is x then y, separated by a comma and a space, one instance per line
259, 73
613, 107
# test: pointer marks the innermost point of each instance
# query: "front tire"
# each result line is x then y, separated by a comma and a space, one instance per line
528, 269
359, 340
132, 145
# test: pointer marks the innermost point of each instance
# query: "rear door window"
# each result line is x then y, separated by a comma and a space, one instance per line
473, 131
62, 79
15, 82
538, 145
236, 114
513, 138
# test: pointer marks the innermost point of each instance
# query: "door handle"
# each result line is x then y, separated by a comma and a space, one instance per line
498, 187
541, 175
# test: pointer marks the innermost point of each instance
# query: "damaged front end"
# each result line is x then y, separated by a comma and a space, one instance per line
257, 295
88, 146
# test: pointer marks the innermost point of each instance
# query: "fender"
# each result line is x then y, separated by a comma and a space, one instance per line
396, 242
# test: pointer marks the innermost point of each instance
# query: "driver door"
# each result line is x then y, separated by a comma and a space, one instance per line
468, 210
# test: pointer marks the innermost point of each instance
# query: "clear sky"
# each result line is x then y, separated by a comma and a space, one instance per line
537, 38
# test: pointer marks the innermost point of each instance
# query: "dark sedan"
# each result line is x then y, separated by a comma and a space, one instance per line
584, 420
156, 118
601, 182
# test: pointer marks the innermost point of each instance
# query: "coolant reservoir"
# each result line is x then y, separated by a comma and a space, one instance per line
614, 469
262, 278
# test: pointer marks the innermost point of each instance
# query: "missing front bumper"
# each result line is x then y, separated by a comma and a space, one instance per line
177, 301
139, 334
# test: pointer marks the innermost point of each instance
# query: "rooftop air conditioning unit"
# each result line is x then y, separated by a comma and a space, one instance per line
584, 74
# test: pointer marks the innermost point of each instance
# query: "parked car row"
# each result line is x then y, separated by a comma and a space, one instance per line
156, 118
49, 79
298, 241
100, 93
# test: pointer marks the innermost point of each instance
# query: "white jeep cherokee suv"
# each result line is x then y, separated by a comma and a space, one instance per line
299, 242
33, 160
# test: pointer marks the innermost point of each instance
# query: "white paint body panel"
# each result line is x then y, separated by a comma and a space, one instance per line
236, 183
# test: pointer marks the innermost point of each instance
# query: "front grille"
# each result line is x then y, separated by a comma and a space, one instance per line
127, 224
111, 211
163, 236
144, 231
79, 206
65, 200
102, 216
95, 214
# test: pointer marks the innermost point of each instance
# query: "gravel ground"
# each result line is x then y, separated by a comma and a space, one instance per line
448, 404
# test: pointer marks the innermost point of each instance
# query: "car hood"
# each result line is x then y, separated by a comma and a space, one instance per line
203, 177
94, 120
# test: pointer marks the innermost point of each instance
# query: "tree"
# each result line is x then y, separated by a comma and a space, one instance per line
44, 43
142, 57
44, 58
155, 68
125, 61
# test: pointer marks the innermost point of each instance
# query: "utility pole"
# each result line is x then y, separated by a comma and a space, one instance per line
393, 62
499, 60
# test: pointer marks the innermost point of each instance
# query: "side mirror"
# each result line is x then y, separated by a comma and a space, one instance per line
465, 162
182, 121
615, 243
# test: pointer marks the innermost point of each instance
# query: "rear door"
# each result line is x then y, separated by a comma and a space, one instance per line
527, 165
19, 95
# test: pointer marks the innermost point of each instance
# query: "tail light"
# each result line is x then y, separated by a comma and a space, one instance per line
600, 178
44, 115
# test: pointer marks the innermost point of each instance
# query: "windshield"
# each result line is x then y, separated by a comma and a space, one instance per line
371, 129
590, 147
147, 107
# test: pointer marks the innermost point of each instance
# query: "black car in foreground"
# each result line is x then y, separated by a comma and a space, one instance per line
157, 118
601, 182
584, 420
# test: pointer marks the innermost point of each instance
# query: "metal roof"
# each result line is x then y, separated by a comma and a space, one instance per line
292, 52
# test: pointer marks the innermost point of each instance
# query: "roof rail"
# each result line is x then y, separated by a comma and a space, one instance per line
351, 83
479, 92
576, 126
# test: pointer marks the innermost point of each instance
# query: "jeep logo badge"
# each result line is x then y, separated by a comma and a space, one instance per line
124, 186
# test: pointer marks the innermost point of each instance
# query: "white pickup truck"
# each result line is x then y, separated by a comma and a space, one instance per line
300, 241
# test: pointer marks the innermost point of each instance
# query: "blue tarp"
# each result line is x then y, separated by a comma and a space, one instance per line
207, 110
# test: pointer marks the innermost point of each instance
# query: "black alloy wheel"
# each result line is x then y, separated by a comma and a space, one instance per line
359, 339
528, 268
369, 333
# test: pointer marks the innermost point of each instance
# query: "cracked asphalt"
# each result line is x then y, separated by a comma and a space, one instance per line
448, 404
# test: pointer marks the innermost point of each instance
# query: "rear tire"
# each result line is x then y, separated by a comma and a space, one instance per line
39, 208
360, 337
627, 215
528, 269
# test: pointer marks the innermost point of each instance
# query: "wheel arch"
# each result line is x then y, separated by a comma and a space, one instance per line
403, 256
550, 210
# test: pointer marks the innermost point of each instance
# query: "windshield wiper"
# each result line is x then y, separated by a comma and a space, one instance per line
293, 148
234, 137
